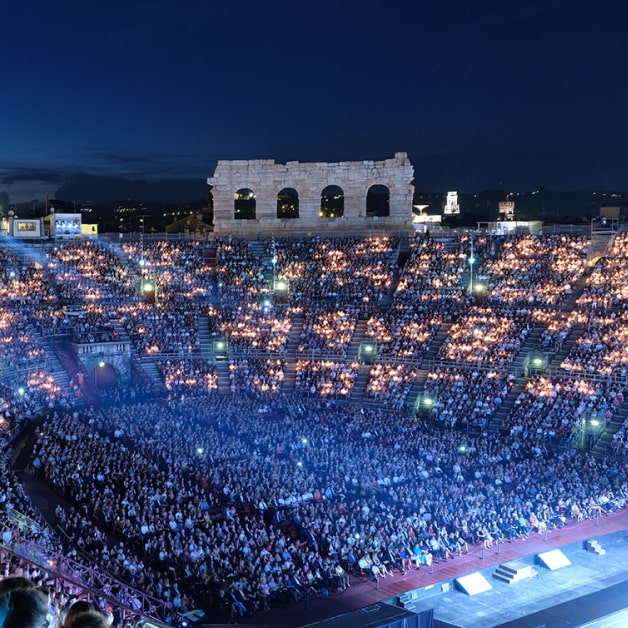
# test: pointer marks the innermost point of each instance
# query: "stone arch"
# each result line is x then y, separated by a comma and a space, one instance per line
378, 201
244, 204
104, 375
332, 202
287, 204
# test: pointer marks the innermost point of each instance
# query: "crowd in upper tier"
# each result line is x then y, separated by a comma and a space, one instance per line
251, 478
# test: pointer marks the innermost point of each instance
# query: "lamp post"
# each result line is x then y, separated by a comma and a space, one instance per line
471, 262
273, 261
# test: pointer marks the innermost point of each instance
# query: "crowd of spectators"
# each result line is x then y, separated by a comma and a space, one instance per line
602, 349
244, 501
256, 375
166, 327
431, 279
181, 376
240, 275
358, 270
271, 497
607, 286
536, 269
178, 266
251, 327
326, 378
19, 349
93, 324
557, 326
403, 332
327, 332
553, 409
464, 397
391, 383
487, 336
89, 271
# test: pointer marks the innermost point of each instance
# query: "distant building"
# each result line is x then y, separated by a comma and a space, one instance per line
451, 204
506, 210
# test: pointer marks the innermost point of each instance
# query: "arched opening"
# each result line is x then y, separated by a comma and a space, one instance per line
378, 201
104, 375
332, 202
244, 204
287, 204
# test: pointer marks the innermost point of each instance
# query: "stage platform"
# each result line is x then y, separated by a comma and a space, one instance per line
591, 587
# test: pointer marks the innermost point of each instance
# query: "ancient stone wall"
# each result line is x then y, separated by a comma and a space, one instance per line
267, 178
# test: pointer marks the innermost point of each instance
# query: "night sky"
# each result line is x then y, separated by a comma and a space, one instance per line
481, 94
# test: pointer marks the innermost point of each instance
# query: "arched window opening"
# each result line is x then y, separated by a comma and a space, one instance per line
287, 204
332, 202
244, 204
378, 201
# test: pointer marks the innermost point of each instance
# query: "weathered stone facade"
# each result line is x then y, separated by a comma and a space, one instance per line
117, 354
266, 179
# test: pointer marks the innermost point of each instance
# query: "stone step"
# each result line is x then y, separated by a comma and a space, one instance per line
514, 571
594, 546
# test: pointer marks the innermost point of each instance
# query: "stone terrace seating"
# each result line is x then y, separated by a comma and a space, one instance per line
327, 332
486, 336
431, 280
166, 327
558, 326
603, 349
403, 332
252, 327
463, 397
179, 267
89, 271
391, 383
607, 287
551, 409
325, 378
190, 375
348, 269
256, 375
18, 350
536, 269
93, 324
239, 274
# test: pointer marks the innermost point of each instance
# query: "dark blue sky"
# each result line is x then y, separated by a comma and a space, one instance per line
481, 94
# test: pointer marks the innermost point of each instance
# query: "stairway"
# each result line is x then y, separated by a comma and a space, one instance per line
257, 249
289, 377
435, 343
294, 338
604, 443
55, 367
503, 411
358, 392
529, 347
150, 368
559, 356
224, 383
417, 388
120, 329
353, 350
514, 571
576, 291
204, 337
